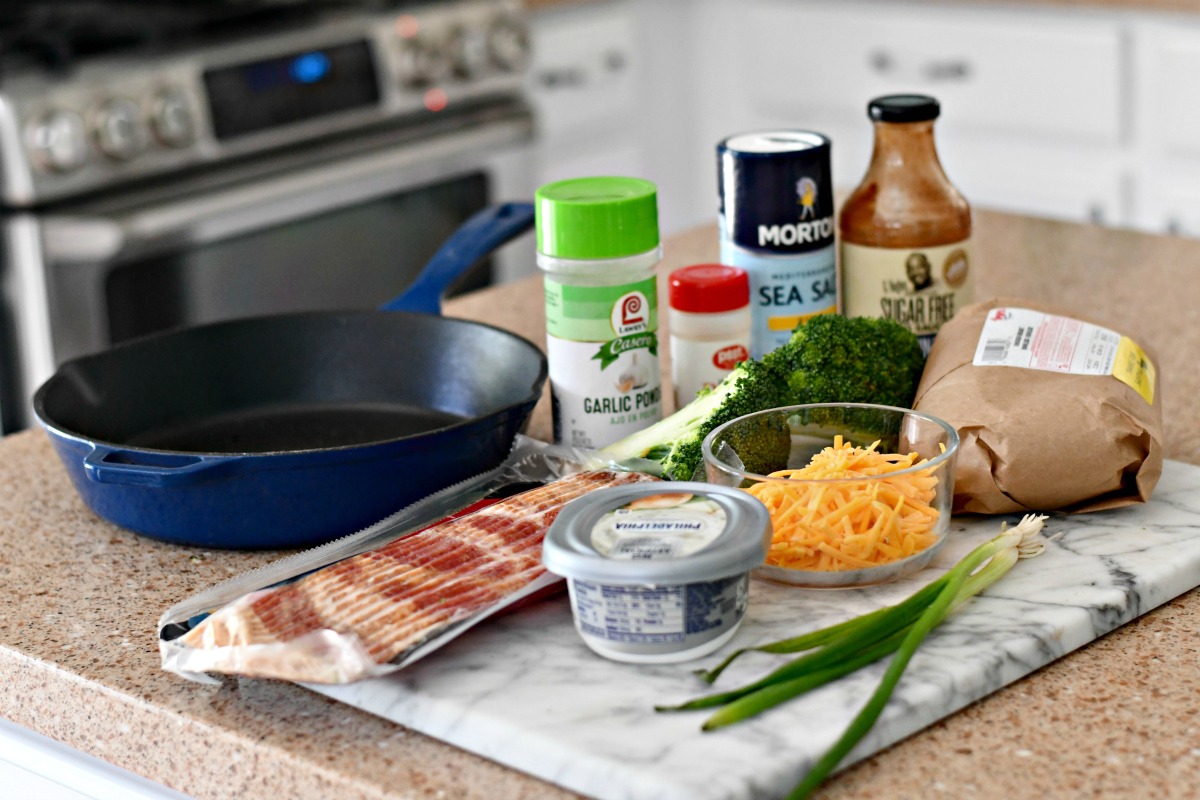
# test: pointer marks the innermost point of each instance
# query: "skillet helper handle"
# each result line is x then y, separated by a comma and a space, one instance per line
477, 238
134, 468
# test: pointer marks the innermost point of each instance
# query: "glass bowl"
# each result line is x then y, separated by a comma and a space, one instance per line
842, 531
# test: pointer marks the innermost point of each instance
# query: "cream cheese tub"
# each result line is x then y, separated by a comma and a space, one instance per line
658, 572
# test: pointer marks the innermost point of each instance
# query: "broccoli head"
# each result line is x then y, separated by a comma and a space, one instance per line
763, 443
836, 359
829, 359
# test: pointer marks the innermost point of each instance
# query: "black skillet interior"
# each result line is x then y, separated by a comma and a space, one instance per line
293, 383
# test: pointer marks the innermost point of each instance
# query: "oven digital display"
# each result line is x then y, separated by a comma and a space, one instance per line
260, 95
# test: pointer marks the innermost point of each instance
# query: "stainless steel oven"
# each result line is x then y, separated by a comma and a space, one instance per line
312, 167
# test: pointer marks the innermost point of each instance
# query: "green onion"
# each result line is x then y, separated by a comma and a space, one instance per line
808, 641
848, 646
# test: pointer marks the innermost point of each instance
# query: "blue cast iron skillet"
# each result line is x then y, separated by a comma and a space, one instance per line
290, 430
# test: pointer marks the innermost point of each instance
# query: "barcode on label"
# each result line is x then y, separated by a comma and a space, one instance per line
994, 351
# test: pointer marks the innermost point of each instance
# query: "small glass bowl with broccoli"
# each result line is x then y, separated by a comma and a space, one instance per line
858, 493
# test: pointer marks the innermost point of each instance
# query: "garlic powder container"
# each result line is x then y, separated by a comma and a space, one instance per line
658, 572
598, 246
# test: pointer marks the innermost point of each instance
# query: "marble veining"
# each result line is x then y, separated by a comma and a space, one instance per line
525, 691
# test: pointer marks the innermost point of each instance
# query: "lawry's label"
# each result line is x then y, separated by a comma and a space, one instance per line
602, 346
1020, 337
661, 526
785, 290
920, 288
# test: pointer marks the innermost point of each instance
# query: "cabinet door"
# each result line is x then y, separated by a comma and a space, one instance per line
998, 72
1168, 200
582, 77
1167, 125
1078, 184
567, 161
604, 86
1167, 93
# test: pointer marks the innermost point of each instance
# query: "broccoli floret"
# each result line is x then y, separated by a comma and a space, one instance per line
829, 359
836, 359
762, 443
674, 442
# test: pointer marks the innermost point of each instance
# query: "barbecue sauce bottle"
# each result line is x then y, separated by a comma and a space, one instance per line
906, 231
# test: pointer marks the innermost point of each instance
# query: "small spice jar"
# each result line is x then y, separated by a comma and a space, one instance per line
598, 245
710, 326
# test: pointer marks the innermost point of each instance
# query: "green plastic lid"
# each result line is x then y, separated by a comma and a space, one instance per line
594, 218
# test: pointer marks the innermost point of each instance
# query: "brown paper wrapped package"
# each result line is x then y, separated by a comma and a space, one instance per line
1034, 440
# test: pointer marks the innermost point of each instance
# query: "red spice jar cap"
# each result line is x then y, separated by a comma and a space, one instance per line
708, 288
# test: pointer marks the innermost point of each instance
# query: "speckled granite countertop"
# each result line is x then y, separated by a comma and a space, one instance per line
79, 661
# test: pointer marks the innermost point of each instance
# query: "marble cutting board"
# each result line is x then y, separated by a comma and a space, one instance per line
524, 690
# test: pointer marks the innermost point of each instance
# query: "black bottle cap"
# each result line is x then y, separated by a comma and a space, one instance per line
903, 108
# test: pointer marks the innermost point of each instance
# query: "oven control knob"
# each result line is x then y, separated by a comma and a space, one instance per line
421, 61
119, 130
58, 141
468, 50
508, 44
171, 118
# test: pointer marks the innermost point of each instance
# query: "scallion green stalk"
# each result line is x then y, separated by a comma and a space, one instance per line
848, 646
808, 641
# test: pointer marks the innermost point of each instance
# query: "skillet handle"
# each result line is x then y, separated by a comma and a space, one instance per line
159, 470
478, 237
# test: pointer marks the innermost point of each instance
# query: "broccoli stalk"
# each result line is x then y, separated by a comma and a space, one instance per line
674, 442
829, 359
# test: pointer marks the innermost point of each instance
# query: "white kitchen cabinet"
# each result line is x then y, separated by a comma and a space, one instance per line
584, 86
1168, 200
583, 72
1167, 94
1166, 116
1033, 102
1089, 114
996, 74
1080, 184
611, 90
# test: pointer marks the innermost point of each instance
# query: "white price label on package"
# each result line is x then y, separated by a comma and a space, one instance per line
1020, 337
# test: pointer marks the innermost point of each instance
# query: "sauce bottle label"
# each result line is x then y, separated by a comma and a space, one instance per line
602, 346
919, 287
785, 290
1020, 337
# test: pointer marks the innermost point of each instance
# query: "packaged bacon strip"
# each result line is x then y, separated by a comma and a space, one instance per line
379, 600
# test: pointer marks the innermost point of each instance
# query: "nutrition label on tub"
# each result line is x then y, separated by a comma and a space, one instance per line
630, 613
652, 614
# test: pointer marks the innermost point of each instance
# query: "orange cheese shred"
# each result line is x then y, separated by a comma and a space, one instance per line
849, 508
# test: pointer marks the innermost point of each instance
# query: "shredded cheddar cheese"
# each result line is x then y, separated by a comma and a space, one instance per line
847, 523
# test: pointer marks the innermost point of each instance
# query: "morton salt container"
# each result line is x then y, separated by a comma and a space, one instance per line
658, 573
776, 222
598, 246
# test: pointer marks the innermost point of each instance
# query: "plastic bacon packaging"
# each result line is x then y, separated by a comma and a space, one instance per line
376, 601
